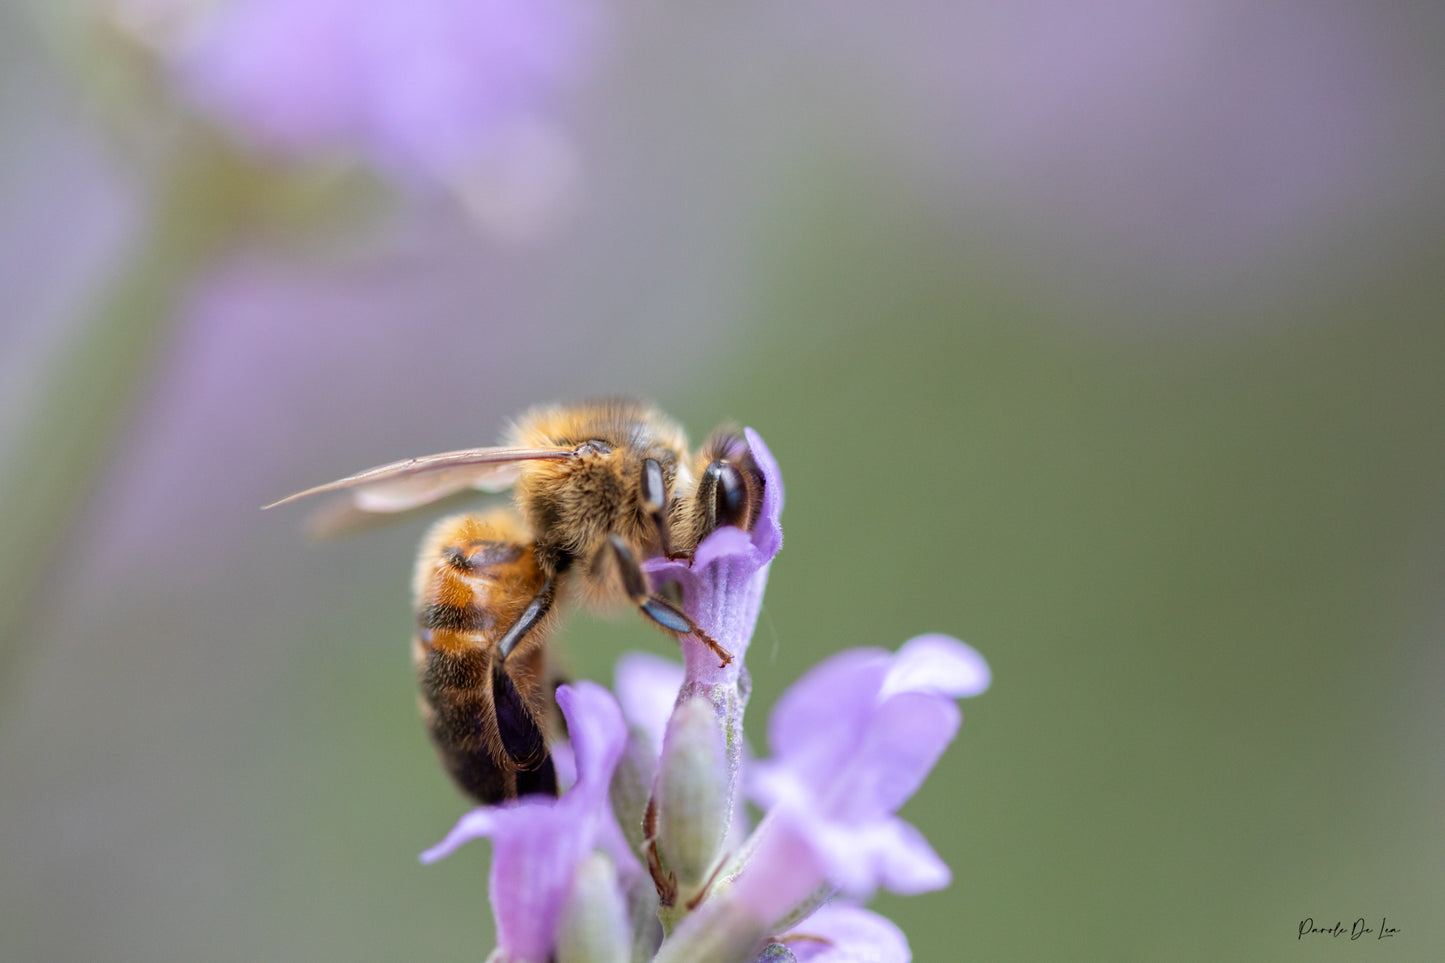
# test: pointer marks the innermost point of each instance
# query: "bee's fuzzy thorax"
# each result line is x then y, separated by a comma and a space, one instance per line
574, 505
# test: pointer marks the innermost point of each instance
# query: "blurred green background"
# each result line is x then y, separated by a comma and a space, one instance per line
1165, 448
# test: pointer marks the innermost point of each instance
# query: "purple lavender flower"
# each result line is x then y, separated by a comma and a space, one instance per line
852, 741
722, 590
538, 844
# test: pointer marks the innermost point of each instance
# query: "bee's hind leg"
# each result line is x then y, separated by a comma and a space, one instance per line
519, 728
667, 614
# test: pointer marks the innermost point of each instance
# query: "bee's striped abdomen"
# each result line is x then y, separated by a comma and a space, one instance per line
475, 576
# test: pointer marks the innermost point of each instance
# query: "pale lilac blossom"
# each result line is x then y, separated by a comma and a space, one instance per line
538, 844
852, 741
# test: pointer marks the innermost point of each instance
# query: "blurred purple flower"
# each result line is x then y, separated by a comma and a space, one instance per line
646, 687
538, 844
452, 92
1195, 138
1196, 146
852, 741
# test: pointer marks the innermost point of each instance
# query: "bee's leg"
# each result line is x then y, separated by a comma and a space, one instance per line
520, 731
534, 613
654, 502
519, 728
660, 610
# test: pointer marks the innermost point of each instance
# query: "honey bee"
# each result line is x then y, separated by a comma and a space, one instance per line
598, 488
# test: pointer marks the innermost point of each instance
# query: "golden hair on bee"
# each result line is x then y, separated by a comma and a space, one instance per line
599, 488
573, 506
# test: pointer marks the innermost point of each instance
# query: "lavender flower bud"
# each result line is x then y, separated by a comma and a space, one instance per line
632, 785
642, 903
593, 926
692, 796
776, 953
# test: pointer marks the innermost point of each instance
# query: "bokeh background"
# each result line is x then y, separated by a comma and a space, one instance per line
1105, 336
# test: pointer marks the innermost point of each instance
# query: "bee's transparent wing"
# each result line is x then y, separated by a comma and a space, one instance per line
415, 482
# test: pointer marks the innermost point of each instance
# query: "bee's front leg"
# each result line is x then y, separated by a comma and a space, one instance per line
657, 504
655, 607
